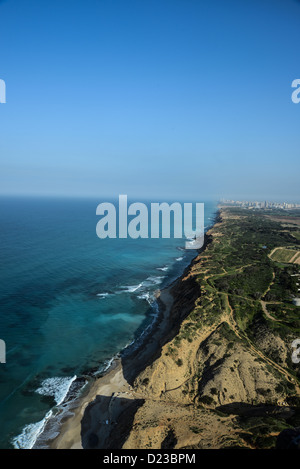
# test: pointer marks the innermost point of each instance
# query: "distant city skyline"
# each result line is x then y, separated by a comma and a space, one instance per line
160, 99
261, 204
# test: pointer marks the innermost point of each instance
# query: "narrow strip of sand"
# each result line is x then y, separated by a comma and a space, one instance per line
94, 407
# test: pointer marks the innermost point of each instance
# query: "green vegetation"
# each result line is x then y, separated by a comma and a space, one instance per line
261, 431
242, 274
285, 255
246, 291
284, 286
251, 282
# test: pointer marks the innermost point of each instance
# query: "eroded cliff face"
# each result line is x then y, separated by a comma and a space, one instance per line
214, 377
196, 398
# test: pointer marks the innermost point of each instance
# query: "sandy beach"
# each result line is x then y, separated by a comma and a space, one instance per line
109, 395
103, 415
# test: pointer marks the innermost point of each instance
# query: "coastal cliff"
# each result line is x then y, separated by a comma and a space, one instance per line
219, 373
216, 372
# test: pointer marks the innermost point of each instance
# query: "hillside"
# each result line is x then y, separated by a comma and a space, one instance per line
226, 379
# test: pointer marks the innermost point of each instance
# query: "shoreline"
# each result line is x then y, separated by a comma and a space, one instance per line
169, 392
112, 384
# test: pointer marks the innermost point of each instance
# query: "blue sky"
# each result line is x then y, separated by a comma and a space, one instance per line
155, 98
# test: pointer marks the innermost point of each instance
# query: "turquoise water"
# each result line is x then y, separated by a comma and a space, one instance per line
69, 301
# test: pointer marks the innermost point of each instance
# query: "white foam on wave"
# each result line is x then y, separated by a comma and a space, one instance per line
104, 295
179, 259
149, 282
155, 307
139, 288
130, 288
146, 292
151, 300
144, 296
56, 387
30, 433
153, 280
164, 269
108, 364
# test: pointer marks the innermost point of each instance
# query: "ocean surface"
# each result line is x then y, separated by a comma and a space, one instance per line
69, 302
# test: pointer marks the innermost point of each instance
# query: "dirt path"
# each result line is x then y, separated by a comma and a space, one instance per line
232, 323
294, 258
268, 289
265, 310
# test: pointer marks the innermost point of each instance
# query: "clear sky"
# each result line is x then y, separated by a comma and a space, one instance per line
150, 98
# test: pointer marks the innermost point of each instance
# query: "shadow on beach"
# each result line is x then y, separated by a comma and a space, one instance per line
105, 415
108, 419
107, 422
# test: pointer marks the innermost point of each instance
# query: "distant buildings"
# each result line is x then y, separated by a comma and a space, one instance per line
260, 205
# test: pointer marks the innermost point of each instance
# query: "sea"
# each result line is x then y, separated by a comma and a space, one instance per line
70, 302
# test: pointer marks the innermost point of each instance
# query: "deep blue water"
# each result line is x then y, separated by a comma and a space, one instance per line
69, 301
